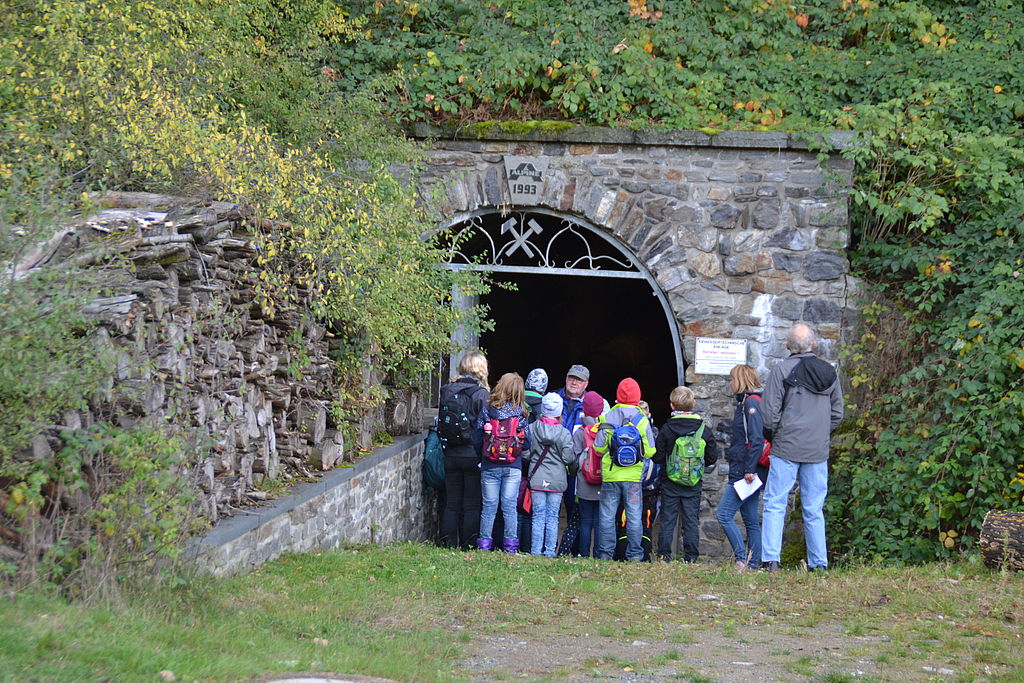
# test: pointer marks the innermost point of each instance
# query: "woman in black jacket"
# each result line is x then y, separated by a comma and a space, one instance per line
743, 455
460, 403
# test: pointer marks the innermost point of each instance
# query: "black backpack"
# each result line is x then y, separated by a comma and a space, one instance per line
455, 413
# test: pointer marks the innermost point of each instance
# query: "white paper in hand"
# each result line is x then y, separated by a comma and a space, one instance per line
744, 490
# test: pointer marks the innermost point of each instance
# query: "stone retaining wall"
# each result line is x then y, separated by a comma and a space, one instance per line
379, 500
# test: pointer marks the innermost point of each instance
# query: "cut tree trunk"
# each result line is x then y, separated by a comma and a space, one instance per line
1002, 539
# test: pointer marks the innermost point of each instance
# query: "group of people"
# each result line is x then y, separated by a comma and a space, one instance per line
615, 473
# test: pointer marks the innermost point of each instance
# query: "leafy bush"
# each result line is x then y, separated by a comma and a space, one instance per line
220, 100
936, 90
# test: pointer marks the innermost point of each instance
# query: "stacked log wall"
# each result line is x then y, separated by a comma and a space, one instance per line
251, 391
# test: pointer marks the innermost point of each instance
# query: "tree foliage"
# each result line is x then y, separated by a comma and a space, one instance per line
221, 100
936, 90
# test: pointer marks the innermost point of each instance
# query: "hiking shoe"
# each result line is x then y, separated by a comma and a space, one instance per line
817, 570
771, 567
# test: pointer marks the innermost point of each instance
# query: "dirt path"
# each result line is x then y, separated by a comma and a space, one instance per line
748, 654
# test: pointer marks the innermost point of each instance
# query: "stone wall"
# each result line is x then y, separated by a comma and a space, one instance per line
743, 232
250, 391
379, 500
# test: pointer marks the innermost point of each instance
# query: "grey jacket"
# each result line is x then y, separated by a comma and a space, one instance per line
813, 408
551, 475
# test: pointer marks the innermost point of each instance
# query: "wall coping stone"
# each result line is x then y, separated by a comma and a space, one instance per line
836, 139
247, 520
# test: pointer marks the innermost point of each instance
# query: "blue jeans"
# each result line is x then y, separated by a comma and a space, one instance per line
588, 525
546, 505
726, 513
630, 495
503, 483
813, 489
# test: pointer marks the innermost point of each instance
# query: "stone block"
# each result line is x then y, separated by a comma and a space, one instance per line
719, 299
766, 214
705, 327
719, 194
739, 264
726, 216
671, 189
791, 263
751, 139
743, 241
823, 265
723, 176
832, 238
789, 238
697, 237
686, 214
739, 285
802, 287
830, 214
554, 149
705, 264
822, 311
788, 307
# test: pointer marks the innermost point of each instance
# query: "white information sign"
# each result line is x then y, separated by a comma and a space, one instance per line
525, 178
718, 356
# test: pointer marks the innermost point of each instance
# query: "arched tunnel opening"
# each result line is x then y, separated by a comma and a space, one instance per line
615, 327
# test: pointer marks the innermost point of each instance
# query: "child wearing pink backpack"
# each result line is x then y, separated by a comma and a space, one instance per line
503, 433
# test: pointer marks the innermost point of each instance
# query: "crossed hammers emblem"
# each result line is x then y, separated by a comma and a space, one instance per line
520, 237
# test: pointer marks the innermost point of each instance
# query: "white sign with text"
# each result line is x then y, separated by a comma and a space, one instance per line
718, 356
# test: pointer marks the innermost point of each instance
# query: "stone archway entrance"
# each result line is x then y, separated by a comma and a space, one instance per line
578, 296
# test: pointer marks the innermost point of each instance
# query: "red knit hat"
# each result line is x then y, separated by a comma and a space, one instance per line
628, 392
593, 404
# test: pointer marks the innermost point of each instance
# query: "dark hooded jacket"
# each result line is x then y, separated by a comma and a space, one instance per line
803, 405
747, 438
479, 400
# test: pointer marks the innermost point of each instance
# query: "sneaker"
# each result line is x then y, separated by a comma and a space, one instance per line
817, 570
771, 566
740, 566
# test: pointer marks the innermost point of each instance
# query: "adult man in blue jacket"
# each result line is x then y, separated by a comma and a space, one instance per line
803, 405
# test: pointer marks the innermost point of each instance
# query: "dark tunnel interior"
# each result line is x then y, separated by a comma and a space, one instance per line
616, 327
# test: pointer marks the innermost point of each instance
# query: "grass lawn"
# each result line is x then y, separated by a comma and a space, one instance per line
414, 612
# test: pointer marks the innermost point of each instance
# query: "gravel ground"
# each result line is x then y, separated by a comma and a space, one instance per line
749, 655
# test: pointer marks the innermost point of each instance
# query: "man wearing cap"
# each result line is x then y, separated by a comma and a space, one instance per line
576, 381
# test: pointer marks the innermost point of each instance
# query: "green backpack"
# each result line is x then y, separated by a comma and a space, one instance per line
685, 464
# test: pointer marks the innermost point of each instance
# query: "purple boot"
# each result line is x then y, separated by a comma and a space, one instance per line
484, 544
510, 546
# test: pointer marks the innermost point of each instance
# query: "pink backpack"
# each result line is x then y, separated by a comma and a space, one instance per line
503, 440
591, 459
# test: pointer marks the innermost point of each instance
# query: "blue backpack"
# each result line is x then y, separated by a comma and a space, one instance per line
433, 461
626, 443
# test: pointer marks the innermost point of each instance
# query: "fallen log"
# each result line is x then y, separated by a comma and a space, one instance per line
1002, 539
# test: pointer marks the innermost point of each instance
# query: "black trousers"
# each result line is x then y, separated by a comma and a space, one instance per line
683, 504
460, 521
